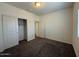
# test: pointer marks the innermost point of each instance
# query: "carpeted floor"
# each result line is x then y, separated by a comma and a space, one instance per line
41, 48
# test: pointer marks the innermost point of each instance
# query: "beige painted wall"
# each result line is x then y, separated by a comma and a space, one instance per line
1, 37
75, 19
6, 9
57, 25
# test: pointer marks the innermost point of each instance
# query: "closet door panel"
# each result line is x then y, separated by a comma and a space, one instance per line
1, 36
10, 29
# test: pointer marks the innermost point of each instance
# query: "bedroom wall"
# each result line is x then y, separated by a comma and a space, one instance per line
6, 9
75, 23
57, 25
1, 37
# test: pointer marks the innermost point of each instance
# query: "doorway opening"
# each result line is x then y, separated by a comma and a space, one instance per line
22, 28
36, 29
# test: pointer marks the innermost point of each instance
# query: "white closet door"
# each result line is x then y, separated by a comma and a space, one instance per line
1, 38
10, 31
21, 32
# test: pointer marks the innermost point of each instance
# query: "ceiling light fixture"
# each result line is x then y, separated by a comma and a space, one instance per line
37, 4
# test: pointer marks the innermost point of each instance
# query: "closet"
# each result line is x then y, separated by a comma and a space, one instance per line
12, 30
8, 32
22, 28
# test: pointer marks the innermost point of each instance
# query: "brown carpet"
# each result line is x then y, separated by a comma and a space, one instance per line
41, 48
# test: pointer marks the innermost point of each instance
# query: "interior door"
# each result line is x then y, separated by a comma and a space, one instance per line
10, 31
21, 29
37, 28
1, 36
21, 32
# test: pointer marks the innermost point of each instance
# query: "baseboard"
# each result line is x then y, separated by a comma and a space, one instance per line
54, 40
75, 51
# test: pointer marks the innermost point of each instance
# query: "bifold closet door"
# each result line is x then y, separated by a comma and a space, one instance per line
10, 31
1, 36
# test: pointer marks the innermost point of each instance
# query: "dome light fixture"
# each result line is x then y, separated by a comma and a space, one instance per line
37, 4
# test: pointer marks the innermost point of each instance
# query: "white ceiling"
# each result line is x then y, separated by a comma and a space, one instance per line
47, 8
